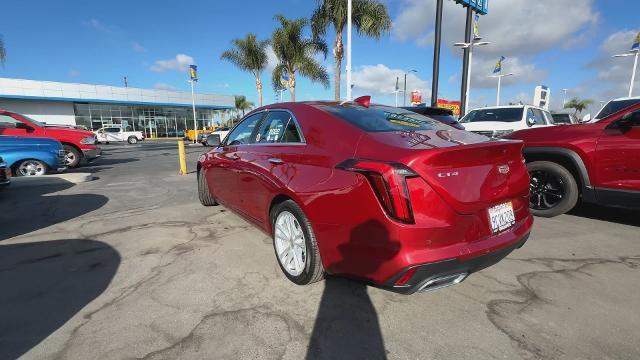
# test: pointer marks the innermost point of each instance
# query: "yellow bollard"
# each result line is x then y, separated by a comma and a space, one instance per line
183, 158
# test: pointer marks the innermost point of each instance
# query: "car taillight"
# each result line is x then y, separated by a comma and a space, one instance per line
388, 181
402, 280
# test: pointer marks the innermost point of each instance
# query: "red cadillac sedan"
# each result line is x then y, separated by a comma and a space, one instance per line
372, 192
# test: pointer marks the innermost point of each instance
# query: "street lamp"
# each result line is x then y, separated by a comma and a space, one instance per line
470, 45
564, 97
500, 76
634, 53
404, 94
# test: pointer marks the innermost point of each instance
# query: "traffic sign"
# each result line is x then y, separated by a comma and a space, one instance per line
480, 6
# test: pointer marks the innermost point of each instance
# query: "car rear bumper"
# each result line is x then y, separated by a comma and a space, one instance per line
432, 276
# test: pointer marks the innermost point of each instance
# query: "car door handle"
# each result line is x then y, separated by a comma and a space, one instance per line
276, 161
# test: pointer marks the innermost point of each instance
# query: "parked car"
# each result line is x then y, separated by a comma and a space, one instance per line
32, 156
202, 137
443, 115
564, 118
595, 162
613, 106
5, 174
78, 144
496, 122
219, 134
109, 134
377, 193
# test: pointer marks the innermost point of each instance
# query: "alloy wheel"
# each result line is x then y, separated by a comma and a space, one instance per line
31, 168
546, 190
69, 158
290, 243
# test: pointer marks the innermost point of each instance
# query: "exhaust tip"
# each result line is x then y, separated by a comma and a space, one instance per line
443, 282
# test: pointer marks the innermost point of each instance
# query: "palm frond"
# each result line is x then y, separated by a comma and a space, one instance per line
314, 71
277, 74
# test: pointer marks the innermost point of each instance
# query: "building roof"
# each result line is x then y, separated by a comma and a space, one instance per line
58, 91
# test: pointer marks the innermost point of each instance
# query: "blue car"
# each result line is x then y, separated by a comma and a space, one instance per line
31, 156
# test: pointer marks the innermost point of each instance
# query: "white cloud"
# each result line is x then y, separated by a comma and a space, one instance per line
272, 59
482, 70
135, 46
180, 63
164, 86
98, 25
381, 80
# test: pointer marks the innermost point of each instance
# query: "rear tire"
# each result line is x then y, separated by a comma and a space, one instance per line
203, 191
313, 270
132, 140
30, 167
554, 190
72, 156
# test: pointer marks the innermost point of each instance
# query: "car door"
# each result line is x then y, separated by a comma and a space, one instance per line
618, 156
111, 134
222, 171
101, 135
270, 163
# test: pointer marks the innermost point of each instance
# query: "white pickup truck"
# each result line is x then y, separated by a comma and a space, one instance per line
499, 121
108, 134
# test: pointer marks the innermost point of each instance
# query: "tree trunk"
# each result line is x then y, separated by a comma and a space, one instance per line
338, 52
292, 86
259, 88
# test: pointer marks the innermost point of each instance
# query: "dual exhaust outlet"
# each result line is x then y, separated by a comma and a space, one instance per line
442, 282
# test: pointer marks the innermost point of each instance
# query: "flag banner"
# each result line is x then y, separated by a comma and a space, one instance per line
193, 72
476, 29
636, 43
498, 68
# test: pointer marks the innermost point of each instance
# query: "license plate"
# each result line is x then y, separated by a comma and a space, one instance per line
501, 217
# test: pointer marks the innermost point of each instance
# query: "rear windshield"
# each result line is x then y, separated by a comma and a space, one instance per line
500, 115
615, 106
383, 118
561, 119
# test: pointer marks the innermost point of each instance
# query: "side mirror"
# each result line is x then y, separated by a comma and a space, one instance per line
213, 140
628, 120
21, 125
586, 118
531, 121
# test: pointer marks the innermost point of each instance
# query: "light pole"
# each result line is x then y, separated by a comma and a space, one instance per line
634, 53
564, 97
404, 93
500, 76
349, 11
470, 45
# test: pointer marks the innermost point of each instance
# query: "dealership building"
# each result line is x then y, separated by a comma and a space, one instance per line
157, 112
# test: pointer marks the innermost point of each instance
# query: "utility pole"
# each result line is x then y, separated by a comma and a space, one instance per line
126, 84
436, 54
466, 61
349, 20
564, 97
404, 93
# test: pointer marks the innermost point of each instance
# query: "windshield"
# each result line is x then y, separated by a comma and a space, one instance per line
614, 106
384, 118
34, 122
562, 119
500, 115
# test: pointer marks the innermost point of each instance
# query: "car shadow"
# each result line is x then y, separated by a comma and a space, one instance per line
610, 214
44, 284
347, 326
29, 208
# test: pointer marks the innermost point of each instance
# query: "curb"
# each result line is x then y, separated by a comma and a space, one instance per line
55, 179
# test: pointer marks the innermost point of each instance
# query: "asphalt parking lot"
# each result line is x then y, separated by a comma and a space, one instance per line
132, 266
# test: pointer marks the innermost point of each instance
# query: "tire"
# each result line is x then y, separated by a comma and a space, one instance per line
203, 191
554, 190
132, 140
72, 156
30, 167
311, 270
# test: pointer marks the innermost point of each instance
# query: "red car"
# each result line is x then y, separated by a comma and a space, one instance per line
597, 162
78, 144
376, 193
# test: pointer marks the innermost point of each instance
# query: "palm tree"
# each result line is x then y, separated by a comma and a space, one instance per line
295, 55
242, 104
3, 51
370, 18
249, 54
578, 105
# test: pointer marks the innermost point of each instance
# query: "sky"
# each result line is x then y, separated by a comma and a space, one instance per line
564, 44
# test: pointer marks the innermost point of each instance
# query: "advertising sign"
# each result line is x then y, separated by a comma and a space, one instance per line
480, 6
416, 97
451, 105
193, 72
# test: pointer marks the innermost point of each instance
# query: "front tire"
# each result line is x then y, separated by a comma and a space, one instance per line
30, 168
203, 191
132, 140
72, 156
554, 190
295, 244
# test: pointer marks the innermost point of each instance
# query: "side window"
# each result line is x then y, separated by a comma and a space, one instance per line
548, 118
7, 119
278, 127
539, 117
242, 133
112, 130
535, 117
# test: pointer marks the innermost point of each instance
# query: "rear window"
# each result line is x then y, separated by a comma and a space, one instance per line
615, 106
561, 119
383, 118
500, 115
